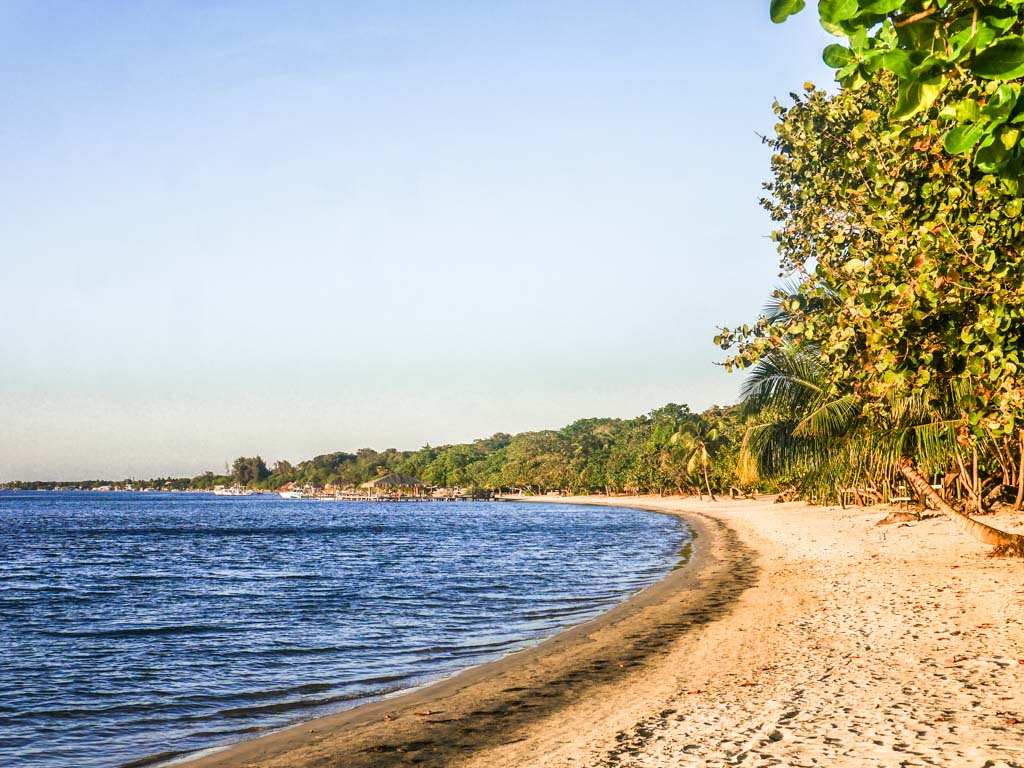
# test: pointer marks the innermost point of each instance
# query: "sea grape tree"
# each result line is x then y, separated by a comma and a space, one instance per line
906, 260
908, 264
964, 57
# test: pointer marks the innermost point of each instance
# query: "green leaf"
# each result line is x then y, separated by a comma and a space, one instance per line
967, 110
850, 69
837, 56
881, 6
1002, 61
961, 139
919, 35
834, 11
1001, 103
859, 39
991, 157
1001, 18
915, 96
783, 9
986, 34
963, 111
899, 62
1010, 137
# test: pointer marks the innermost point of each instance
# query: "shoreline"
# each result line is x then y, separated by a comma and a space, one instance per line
797, 635
475, 709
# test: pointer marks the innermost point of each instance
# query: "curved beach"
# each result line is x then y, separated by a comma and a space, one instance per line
796, 635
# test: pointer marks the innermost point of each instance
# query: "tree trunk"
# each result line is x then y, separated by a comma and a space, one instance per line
984, 533
1020, 475
1004, 466
974, 478
708, 483
948, 481
964, 481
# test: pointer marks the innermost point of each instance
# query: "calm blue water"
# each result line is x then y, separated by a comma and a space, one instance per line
138, 624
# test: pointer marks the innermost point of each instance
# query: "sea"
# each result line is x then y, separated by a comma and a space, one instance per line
135, 625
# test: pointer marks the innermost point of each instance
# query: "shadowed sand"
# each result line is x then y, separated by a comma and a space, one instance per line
796, 636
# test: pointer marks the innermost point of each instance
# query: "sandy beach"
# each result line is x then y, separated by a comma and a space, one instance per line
796, 636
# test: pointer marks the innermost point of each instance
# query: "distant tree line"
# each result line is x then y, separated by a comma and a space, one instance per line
669, 450
154, 484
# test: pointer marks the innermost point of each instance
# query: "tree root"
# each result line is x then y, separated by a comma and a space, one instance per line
1013, 548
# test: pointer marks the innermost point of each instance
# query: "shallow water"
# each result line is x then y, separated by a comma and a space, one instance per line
138, 624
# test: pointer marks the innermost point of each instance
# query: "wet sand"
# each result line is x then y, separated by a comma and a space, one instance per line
797, 635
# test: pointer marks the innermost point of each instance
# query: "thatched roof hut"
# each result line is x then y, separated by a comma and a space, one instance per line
394, 480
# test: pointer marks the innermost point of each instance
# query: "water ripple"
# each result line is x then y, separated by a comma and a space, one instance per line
139, 624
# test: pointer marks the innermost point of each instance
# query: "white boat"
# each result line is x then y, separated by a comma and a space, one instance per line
234, 490
290, 494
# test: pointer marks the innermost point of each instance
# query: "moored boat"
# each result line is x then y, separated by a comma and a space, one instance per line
234, 490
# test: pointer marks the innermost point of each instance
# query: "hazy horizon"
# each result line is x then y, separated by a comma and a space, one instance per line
236, 229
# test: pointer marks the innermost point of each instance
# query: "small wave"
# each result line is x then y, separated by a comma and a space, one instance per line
173, 629
278, 693
312, 703
249, 574
285, 652
195, 531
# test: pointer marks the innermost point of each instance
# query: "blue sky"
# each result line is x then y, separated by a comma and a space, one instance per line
230, 228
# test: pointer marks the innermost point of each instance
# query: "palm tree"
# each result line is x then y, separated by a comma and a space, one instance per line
700, 439
822, 436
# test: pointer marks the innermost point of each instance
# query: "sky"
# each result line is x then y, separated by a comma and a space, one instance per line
235, 227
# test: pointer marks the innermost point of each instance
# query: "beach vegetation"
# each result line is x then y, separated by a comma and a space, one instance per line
827, 445
893, 352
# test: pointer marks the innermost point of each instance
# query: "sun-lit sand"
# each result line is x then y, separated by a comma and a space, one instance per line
799, 636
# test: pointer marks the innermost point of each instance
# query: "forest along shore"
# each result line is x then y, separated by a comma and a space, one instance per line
798, 635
